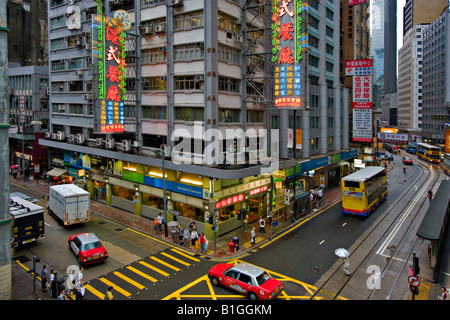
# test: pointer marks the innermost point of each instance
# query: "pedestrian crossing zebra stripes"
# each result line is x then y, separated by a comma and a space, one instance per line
140, 275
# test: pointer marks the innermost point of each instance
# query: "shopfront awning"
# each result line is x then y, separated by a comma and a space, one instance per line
56, 172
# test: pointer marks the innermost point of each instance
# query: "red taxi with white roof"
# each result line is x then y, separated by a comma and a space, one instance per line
249, 280
88, 248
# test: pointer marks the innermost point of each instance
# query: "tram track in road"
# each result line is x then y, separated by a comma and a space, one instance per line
385, 235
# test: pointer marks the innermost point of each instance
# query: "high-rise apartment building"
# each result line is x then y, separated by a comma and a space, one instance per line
436, 79
410, 81
195, 71
417, 12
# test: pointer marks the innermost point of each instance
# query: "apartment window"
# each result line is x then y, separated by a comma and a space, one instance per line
153, 56
58, 108
56, 44
313, 61
229, 84
329, 67
57, 87
188, 20
189, 114
330, 49
229, 54
76, 86
75, 108
150, 2
255, 116
154, 83
313, 41
313, 22
229, 115
58, 65
75, 63
57, 22
329, 14
154, 112
188, 52
228, 23
329, 32
314, 122
187, 83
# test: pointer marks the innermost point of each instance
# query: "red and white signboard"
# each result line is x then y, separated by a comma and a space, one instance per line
362, 89
353, 2
360, 67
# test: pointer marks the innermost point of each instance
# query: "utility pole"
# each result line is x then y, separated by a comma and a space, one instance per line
5, 216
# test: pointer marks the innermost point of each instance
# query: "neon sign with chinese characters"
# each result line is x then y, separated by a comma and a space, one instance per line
289, 42
109, 60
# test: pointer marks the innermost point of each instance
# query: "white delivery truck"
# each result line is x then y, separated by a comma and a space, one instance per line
69, 203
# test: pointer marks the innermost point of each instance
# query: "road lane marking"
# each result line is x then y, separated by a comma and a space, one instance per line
142, 274
321, 242
116, 287
94, 291
129, 280
154, 268
165, 264
175, 259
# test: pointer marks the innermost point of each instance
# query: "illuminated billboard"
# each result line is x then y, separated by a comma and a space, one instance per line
108, 60
289, 42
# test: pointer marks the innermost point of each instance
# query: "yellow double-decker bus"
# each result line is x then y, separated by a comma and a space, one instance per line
429, 153
363, 191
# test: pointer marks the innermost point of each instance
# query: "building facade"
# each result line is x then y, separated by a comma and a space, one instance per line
436, 73
28, 100
410, 81
196, 70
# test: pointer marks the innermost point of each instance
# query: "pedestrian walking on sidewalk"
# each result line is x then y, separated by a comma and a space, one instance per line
44, 277
174, 230
262, 225
202, 240
194, 237
253, 233
319, 196
269, 216
346, 265
186, 237
444, 294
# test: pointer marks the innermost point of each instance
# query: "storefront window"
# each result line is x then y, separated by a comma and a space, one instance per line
189, 211
256, 206
122, 193
152, 201
229, 212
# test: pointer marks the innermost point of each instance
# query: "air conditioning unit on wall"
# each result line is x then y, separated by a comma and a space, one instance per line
60, 135
109, 143
80, 138
126, 145
99, 142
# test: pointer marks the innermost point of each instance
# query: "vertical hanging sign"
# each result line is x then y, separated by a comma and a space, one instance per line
108, 53
289, 42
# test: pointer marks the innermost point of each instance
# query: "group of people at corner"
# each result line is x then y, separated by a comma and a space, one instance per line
184, 236
58, 289
188, 237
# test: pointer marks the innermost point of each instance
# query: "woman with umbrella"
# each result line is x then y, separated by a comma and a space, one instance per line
344, 254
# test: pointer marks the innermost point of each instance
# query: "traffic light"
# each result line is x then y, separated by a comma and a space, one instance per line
416, 268
239, 214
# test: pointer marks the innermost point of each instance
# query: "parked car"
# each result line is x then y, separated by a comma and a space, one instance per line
407, 160
249, 280
88, 248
